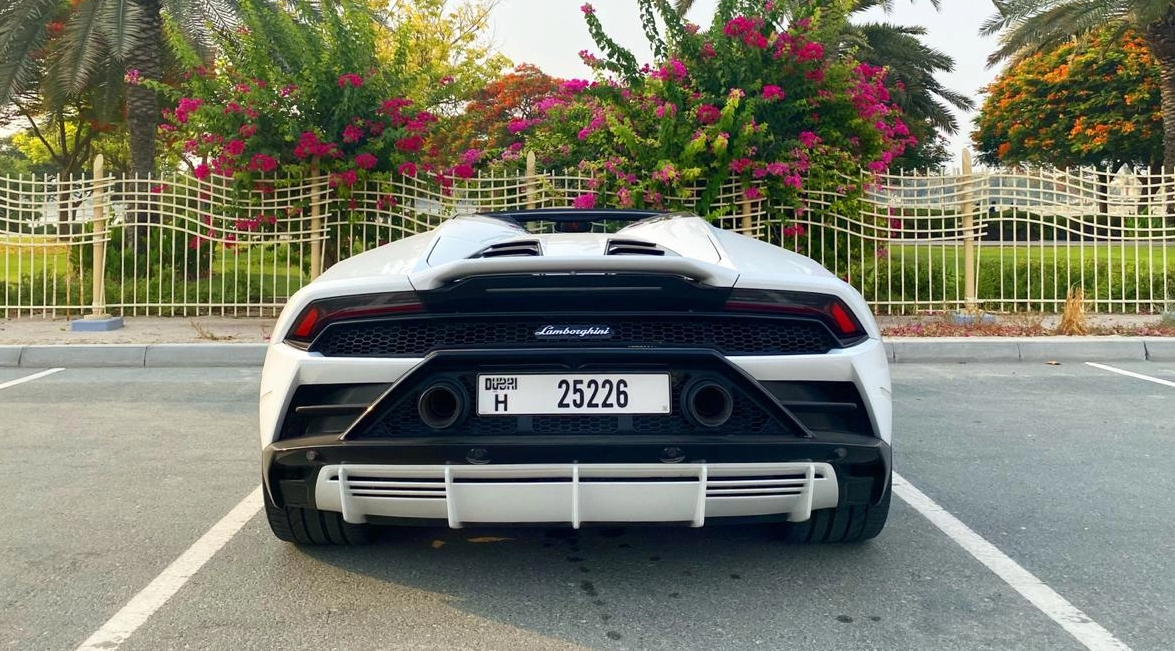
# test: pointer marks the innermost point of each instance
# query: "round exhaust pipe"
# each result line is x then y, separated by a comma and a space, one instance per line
442, 404
708, 403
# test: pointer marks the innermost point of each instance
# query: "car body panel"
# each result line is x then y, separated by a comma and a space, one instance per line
690, 248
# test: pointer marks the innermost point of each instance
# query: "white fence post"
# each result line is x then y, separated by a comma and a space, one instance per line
98, 309
316, 195
531, 181
967, 207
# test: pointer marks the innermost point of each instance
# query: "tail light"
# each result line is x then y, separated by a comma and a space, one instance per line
321, 313
829, 309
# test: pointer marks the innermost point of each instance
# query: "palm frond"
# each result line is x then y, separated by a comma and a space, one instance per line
82, 50
1030, 32
23, 31
120, 25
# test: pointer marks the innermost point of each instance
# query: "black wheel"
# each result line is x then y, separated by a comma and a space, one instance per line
312, 527
846, 524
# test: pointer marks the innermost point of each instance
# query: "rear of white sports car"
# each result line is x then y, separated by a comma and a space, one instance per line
669, 372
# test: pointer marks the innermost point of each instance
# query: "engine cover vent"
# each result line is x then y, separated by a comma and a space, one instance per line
634, 247
516, 248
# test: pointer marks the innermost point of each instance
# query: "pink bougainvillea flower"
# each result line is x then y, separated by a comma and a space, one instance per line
575, 85
471, 156
202, 171
752, 193
366, 161
585, 201
463, 171
708, 114
410, 144
185, 108
350, 79
352, 133
407, 169
247, 130
772, 92
344, 179
809, 139
235, 147
810, 52
740, 165
587, 9
262, 163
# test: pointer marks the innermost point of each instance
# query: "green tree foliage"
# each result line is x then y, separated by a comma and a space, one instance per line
499, 116
1030, 26
62, 50
299, 90
756, 98
1094, 103
439, 50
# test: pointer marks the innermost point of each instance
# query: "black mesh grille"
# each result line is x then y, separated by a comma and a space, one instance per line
403, 420
730, 335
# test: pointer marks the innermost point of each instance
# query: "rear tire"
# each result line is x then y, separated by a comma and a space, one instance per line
852, 523
303, 526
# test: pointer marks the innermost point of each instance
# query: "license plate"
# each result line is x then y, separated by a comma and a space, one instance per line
572, 393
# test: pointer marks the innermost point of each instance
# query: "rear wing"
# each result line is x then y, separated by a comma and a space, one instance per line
702, 272
573, 220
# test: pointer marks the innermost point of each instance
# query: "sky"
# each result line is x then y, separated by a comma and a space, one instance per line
550, 33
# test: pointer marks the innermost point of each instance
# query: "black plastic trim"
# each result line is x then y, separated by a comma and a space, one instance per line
860, 462
612, 360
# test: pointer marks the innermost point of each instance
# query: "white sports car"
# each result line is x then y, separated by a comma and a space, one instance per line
667, 372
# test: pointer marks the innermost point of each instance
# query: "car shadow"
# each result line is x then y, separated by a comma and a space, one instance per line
632, 587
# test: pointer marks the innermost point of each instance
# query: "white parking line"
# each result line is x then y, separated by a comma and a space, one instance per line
1077, 623
29, 378
1131, 374
115, 631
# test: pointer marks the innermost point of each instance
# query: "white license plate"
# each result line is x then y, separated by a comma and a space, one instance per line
572, 393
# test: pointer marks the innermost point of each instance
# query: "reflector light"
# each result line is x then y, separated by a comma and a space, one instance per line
321, 313
827, 308
845, 322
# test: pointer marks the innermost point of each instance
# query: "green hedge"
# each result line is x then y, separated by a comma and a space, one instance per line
1021, 280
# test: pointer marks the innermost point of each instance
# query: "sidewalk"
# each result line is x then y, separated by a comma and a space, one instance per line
220, 341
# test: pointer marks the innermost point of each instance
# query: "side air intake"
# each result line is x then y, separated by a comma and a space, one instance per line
517, 248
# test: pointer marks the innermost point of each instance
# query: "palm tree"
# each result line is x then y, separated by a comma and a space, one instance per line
1030, 26
61, 49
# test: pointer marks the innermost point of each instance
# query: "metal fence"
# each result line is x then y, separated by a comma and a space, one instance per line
1003, 240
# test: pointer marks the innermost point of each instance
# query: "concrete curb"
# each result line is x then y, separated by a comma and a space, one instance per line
133, 355
1030, 349
910, 350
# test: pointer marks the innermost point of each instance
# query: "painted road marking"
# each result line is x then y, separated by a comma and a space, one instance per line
1140, 376
115, 631
1077, 623
29, 378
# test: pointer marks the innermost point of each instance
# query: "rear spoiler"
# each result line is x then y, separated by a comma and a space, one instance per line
573, 220
703, 272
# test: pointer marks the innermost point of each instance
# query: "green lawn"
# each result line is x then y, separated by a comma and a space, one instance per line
30, 261
935, 255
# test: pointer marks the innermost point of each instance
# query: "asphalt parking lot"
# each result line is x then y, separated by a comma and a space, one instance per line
114, 476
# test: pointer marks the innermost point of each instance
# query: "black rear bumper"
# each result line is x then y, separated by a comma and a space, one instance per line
862, 463
763, 426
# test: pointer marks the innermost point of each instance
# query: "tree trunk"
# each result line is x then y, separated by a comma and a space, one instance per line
142, 103
142, 112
